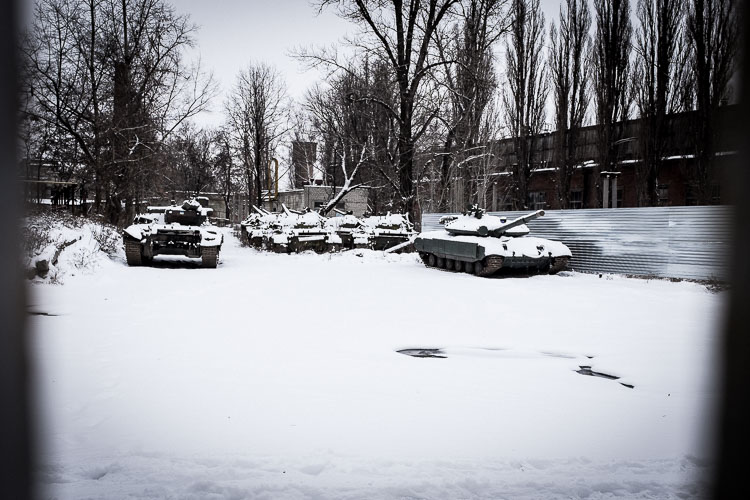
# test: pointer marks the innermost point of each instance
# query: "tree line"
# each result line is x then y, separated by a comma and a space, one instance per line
425, 90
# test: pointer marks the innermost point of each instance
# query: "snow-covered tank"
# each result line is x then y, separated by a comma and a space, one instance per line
173, 230
307, 231
483, 244
387, 231
344, 230
257, 228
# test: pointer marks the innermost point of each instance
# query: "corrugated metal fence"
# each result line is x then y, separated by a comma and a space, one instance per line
669, 242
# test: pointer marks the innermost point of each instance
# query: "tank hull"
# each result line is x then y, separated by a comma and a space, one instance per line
488, 255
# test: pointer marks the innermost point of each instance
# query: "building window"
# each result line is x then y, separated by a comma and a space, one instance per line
715, 194
576, 199
318, 205
537, 200
619, 197
662, 192
691, 197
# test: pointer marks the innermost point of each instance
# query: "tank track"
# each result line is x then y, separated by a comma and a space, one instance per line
209, 257
133, 253
493, 263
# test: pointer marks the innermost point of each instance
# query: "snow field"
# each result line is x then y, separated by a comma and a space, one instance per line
277, 376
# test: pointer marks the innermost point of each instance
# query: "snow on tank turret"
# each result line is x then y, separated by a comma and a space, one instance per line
256, 229
483, 244
343, 230
306, 231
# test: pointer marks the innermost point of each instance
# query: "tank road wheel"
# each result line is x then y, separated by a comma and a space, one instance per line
133, 253
441, 262
478, 268
431, 260
209, 257
558, 264
450, 264
468, 267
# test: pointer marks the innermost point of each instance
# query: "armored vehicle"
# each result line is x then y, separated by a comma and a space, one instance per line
173, 230
306, 231
483, 244
344, 230
256, 229
389, 230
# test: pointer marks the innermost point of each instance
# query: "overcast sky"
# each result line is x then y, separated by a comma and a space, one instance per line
234, 32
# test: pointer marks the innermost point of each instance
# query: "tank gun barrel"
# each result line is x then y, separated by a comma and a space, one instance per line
517, 222
260, 210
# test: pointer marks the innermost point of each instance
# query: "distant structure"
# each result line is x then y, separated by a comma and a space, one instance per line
677, 185
50, 183
316, 197
303, 162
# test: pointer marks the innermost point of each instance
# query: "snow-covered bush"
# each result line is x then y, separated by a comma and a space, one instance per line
57, 244
107, 237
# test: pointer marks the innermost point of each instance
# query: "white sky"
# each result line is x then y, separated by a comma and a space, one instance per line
234, 32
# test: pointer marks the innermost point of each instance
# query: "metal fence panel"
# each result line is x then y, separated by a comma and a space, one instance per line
669, 242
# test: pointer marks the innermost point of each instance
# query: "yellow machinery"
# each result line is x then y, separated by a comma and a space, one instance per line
273, 185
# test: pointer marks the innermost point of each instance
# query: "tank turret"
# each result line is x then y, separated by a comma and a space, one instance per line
476, 222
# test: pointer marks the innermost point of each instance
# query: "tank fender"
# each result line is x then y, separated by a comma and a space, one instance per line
211, 238
134, 232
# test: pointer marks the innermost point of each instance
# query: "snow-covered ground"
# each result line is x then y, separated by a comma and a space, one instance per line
277, 376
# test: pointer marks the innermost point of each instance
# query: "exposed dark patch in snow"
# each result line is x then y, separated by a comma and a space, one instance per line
558, 355
423, 353
40, 313
97, 473
586, 370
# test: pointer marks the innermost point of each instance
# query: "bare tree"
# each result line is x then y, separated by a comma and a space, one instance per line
526, 91
191, 160
57, 83
487, 162
109, 75
612, 91
570, 56
402, 34
349, 176
712, 37
226, 174
349, 126
152, 92
658, 74
470, 82
257, 116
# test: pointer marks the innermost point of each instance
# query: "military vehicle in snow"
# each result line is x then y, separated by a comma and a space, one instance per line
173, 230
483, 244
387, 231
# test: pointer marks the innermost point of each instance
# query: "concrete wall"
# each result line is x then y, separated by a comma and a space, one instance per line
314, 197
